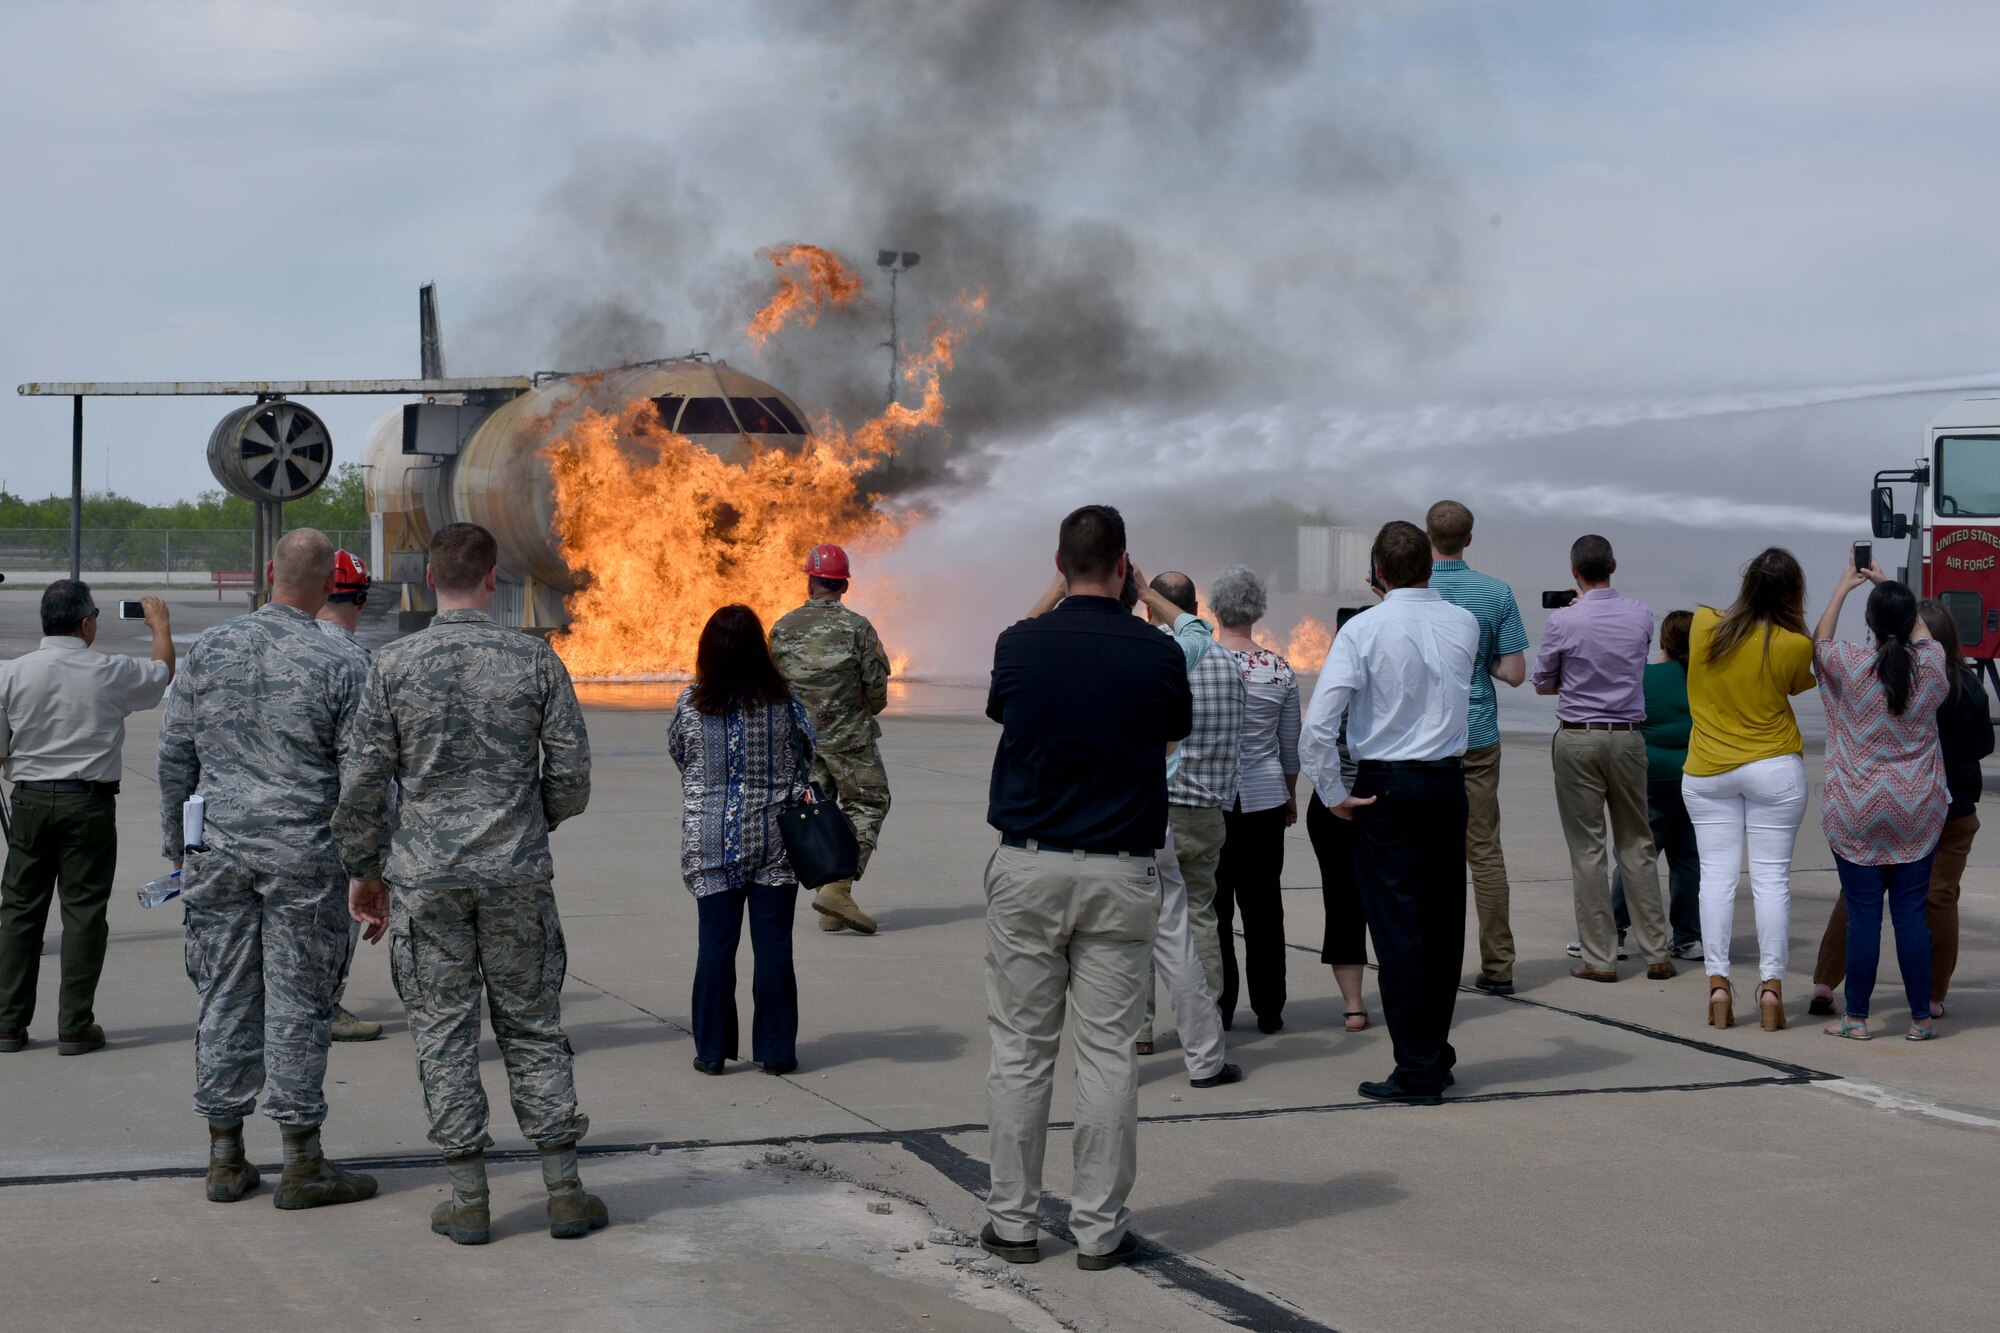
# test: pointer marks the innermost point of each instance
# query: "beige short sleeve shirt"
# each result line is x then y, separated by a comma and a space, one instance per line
63, 710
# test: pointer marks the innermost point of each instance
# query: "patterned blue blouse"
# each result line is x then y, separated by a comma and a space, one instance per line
737, 772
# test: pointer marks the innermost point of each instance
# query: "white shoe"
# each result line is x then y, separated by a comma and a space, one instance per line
1575, 950
1691, 952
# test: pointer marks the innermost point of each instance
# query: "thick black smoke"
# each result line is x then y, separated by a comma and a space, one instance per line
1156, 206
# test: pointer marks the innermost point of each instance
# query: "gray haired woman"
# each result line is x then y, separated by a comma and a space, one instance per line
1253, 852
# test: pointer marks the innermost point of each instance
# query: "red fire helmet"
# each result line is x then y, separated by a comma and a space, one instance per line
349, 573
827, 562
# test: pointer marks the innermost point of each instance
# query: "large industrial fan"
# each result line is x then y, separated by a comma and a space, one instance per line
270, 452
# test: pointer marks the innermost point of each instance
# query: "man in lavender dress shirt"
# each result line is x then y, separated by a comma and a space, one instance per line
1593, 659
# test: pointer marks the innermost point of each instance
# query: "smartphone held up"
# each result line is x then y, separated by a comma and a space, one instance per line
1557, 600
1864, 556
131, 608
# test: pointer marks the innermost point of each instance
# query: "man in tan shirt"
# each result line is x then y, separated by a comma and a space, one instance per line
62, 732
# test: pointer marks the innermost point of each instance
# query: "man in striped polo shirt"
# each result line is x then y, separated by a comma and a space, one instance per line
1503, 655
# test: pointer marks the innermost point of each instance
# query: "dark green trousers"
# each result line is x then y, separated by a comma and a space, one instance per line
67, 842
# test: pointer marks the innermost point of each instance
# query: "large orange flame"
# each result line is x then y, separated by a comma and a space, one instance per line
810, 280
661, 532
1309, 644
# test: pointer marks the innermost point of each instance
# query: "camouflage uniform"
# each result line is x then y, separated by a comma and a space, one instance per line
258, 720
480, 727
836, 663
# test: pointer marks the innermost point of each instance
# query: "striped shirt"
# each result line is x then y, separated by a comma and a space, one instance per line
1202, 772
1885, 797
1269, 751
1500, 633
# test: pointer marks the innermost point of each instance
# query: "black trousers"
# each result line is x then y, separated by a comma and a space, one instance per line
774, 987
1248, 879
1410, 862
65, 844
1345, 943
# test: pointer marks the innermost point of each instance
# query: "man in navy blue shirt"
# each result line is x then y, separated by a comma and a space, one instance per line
1088, 698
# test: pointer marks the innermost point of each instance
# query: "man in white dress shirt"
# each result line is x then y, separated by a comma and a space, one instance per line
1401, 674
62, 732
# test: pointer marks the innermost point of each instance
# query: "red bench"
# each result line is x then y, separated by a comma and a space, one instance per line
230, 578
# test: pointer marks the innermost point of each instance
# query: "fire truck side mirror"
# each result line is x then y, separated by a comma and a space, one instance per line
1887, 523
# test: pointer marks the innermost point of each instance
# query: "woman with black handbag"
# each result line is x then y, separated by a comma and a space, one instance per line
744, 746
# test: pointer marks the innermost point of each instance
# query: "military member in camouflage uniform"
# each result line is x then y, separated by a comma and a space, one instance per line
836, 663
338, 620
257, 722
480, 728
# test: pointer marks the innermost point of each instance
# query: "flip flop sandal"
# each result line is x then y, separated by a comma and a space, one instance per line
1918, 1032
1854, 1029
1361, 1014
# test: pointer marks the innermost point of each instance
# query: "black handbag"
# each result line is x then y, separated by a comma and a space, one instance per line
819, 838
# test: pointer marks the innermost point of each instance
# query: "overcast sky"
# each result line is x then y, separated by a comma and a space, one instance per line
1457, 224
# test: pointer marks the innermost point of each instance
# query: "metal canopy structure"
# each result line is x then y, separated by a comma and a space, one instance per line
78, 390
261, 388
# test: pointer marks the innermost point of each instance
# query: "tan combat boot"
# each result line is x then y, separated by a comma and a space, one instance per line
571, 1212
466, 1216
837, 900
310, 1181
832, 923
231, 1175
346, 1027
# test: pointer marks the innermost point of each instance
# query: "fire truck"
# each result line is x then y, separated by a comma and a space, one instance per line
1953, 526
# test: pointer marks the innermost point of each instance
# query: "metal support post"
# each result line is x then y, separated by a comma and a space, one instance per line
76, 488
895, 347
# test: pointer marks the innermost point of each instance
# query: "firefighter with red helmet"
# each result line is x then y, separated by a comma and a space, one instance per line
836, 662
339, 619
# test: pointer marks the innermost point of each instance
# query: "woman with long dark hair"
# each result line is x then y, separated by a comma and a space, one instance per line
1885, 798
1965, 736
1745, 779
744, 746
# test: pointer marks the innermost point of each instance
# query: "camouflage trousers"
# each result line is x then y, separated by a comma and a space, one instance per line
860, 786
447, 947
265, 953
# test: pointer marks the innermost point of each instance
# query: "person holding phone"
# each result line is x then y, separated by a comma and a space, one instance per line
1745, 779
62, 732
1885, 798
1965, 736
1593, 658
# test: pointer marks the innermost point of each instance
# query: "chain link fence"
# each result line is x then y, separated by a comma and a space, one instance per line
157, 555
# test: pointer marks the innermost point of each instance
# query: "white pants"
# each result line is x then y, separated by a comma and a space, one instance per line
1176, 962
1760, 803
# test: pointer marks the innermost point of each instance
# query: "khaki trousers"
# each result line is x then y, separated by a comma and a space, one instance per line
1489, 864
1066, 934
1199, 833
1600, 772
1940, 913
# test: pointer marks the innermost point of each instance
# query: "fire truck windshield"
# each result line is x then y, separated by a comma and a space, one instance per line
1968, 476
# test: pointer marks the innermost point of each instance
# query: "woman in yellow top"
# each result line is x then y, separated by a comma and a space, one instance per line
1745, 779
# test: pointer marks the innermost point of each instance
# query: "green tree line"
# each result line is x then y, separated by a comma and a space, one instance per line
338, 504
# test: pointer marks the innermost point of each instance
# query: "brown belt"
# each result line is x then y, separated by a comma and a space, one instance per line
1600, 726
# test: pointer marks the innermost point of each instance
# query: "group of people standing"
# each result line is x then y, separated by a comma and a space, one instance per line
1112, 865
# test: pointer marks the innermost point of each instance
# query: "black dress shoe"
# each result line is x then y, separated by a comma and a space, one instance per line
1127, 1251
80, 1043
13, 1039
708, 1066
1389, 1090
1494, 987
1027, 1251
1269, 1025
1226, 1074
776, 1067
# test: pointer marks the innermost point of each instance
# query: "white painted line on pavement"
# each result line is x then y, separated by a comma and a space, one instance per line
1882, 1099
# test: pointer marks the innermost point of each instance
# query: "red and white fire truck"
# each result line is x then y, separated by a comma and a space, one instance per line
1953, 526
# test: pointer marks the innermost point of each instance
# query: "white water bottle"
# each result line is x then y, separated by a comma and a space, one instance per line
156, 891
194, 822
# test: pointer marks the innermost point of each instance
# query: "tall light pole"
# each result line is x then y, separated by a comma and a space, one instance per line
896, 263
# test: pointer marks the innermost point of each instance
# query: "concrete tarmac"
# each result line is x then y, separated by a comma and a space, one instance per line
1608, 1160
